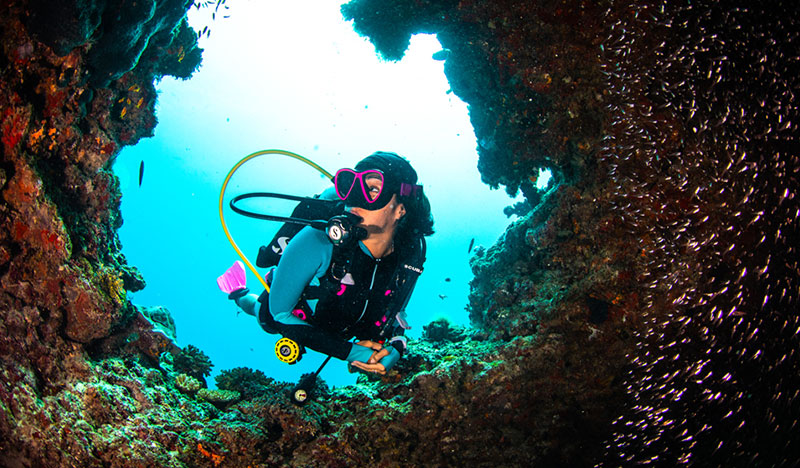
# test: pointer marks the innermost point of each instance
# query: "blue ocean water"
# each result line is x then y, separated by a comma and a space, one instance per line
275, 77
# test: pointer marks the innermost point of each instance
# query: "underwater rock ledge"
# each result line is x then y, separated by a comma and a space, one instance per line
643, 312
671, 130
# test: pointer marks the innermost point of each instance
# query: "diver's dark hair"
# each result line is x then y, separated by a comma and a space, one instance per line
417, 221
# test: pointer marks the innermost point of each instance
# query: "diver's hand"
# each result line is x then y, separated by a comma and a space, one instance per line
378, 355
380, 351
376, 368
379, 362
370, 344
372, 365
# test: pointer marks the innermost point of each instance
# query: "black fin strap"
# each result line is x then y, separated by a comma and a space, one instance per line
238, 294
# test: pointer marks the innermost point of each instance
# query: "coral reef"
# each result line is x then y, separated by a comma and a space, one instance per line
187, 384
642, 310
669, 137
442, 330
219, 398
111, 283
194, 362
138, 337
123, 35
530, 73
161, 319
247, 382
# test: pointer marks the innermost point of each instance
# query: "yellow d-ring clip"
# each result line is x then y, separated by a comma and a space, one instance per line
287, 351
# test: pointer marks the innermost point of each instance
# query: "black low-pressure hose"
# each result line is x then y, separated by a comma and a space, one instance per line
341, 229
316, 224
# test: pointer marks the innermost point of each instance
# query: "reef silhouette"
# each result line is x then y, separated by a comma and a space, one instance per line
644, 311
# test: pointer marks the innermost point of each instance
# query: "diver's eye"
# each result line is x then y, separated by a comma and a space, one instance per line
374, 183
374, 192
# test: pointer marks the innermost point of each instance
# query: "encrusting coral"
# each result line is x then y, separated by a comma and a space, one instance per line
442, 330
187, 384
111, 283
219, 398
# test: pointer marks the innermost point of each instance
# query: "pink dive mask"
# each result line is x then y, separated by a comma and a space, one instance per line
371, 183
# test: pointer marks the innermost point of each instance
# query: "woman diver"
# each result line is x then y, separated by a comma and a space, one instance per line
322, 295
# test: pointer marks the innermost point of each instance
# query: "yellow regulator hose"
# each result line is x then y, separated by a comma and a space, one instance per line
225, 185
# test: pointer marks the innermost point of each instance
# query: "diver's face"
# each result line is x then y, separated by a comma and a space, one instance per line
382, 220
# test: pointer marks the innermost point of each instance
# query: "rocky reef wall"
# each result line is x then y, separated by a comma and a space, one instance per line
659, 271
642, 311
76, 85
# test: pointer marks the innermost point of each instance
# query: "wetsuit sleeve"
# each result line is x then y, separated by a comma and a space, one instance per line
306, 256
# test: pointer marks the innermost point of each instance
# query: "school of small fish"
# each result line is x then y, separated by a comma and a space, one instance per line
705, 157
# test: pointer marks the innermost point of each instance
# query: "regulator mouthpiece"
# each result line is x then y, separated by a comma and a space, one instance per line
343, 229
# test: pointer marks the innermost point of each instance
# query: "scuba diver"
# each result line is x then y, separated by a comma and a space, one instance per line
327, 290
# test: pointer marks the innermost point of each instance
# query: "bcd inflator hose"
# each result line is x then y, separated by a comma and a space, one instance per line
225, 185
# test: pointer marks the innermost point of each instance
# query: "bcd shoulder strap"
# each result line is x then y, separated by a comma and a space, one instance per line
309, 209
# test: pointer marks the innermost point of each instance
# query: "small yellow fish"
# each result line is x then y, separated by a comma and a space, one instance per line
139, 104
124, 111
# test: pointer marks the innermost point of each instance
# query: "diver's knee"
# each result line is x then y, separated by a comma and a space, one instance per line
288, 318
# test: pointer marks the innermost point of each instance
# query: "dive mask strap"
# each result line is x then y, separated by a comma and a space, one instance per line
410, 189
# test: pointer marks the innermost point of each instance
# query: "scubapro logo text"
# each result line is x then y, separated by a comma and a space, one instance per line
282, 243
